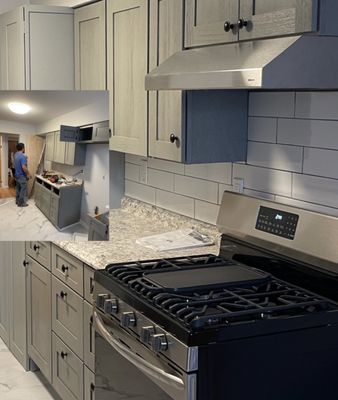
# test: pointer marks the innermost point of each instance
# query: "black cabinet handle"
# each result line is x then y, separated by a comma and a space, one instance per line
36, 247
63, 294
228, 26
242, 23
64, 268
92, 390
25, 263
173, 138
63, 355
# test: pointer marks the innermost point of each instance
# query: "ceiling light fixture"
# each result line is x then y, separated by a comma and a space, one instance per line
19, 108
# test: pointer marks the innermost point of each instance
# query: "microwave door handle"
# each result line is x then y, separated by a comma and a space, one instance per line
144, 366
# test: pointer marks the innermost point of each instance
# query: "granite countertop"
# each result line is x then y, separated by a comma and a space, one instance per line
133, 221
60, 185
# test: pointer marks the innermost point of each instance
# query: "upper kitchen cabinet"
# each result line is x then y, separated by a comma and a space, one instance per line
209, 22
64, 152
266, 18
37, 48
127, 27
59, 149
90, 47
224, 21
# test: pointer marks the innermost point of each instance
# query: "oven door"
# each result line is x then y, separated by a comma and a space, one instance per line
126, 369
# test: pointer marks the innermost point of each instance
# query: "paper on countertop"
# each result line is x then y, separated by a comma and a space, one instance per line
175, 240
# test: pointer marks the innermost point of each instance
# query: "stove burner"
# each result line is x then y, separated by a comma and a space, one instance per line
200, 309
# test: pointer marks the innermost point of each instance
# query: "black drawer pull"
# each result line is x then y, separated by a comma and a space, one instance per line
25, 263
63, 294
63, 355
173, 138
242, 23
228, 26
36, 247
64, 269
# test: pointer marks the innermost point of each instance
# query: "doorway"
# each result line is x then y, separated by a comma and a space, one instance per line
8, 149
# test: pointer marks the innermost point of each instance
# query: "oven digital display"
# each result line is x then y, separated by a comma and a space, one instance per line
276, 222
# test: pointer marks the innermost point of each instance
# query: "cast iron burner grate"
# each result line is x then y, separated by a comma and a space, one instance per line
203, 309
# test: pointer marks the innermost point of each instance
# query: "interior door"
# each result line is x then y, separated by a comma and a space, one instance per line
12, 50
127, 25
165, 107
90, 47
266, 18
18, 316
210, 22
5, 264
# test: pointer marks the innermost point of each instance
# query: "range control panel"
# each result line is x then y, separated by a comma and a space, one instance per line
276, 222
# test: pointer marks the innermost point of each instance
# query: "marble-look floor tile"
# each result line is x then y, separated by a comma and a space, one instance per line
30, 223
18, 384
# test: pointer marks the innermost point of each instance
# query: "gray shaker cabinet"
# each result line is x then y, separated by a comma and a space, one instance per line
64, 152
5, 262
39, 315
59, 149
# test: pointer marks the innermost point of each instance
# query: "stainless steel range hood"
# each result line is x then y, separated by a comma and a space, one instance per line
298, 62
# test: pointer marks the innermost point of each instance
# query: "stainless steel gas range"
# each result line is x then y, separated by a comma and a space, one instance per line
258, 321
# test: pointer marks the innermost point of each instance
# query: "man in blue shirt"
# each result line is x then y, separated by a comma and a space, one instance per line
21, 175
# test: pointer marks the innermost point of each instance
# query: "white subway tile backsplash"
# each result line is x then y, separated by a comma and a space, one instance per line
164, 165
287, 158
140, 192
271, 104
160, 179
264, 180
206, 212
221, 190
132, 172
262, 129
260, 195
317, 105
133, 159
176, 203
213, 172
307, 206
314, 189
196, 188
321, 162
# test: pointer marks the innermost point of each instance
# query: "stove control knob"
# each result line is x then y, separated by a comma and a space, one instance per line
128, 319
100, 300
111, 306
159, 342
146, 334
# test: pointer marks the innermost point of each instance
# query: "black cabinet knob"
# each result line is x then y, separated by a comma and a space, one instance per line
173, 138
36, 247
63, 355
25, 263
63, 294
64, 268
228, 26
242, 23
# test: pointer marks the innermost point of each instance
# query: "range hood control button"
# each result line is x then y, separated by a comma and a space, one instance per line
100, 300
128, 319
111, 306
146, 334
159, 342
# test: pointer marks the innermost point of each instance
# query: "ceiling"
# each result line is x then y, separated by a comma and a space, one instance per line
46, 105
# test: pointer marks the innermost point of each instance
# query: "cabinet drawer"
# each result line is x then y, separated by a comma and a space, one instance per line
68, 269
88, 284
67, 371
89, 384
41, 252
67, 316
88, 336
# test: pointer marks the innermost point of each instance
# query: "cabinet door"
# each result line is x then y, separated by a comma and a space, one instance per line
90, 47
45, 201
88, 336
5, 263
127, 25
165, 107
49, 153
12, 50
37, 194
18, 316
54, 209
266, 18
59, 149
70, 153
41, 252
205, 22
39, 310
89, 384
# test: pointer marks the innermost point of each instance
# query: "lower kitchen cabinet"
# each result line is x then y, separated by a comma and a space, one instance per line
67, 371
5, 262
39, 316
88, 336
61, 205
41, 252
89, 384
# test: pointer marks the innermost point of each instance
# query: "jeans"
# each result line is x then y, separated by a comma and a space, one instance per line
21, 190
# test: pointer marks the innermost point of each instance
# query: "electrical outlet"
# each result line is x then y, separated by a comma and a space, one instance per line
238, 185
144, 171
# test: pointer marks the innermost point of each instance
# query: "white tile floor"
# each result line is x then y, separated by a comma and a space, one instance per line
17, 384
29, 222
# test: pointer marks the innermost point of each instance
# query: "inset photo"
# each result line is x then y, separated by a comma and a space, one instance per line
54, 169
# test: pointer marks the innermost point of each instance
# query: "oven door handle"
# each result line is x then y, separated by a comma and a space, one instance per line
143, 365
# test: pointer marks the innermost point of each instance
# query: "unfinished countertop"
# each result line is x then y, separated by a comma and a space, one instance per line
59, 186
133, 221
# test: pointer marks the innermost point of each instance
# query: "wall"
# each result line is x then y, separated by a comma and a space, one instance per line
16, 127
8, 5
4, 161
292, 158
95, 175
